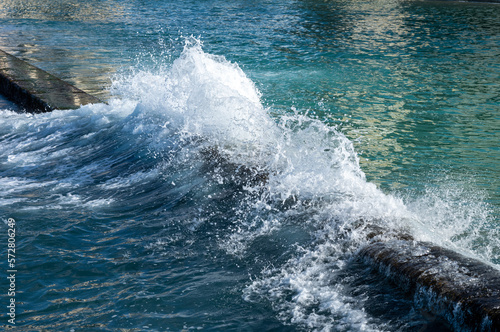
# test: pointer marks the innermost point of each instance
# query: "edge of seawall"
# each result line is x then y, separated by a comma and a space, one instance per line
462, 290
37, 91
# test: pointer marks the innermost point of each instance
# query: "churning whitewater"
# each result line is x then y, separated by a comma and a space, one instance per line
185, 181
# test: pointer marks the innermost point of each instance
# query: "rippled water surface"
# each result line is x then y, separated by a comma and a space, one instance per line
243, 153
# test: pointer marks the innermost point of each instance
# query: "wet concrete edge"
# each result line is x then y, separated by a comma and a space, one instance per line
462, 290
37, 91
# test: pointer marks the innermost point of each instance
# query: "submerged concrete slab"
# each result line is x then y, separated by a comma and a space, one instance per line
462, 290
35, 90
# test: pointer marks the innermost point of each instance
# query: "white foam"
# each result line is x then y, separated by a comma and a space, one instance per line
131, 180
456, 216
205, 95
317, 302
12, 186
98, 203
202, 95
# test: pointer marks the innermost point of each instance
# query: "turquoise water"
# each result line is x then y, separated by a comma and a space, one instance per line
151, 211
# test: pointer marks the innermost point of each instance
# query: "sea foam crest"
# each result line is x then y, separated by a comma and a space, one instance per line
205, 95
304, 160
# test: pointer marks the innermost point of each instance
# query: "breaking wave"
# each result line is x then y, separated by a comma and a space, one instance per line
284, 194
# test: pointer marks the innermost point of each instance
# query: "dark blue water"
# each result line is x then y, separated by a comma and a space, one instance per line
232, 176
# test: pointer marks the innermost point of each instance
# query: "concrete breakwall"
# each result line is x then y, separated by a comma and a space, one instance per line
35, 90
462, 290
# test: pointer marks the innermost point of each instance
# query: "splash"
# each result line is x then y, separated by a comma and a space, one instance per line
197, 128
203, 95
314, 194
458, 217
207, 97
